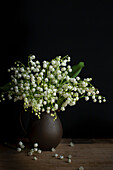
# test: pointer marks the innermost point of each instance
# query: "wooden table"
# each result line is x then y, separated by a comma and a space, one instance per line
92, 154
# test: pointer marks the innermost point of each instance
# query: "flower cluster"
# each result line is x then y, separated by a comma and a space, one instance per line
48, 86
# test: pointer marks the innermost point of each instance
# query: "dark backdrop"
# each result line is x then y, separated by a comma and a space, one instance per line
47, 29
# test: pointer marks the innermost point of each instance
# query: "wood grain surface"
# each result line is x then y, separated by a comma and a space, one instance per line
92, 154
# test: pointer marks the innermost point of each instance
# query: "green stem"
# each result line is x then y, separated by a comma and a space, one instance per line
20, 63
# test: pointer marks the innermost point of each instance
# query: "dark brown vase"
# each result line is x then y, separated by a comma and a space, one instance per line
46, 131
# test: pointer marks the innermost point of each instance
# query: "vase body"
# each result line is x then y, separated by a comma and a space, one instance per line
46, 131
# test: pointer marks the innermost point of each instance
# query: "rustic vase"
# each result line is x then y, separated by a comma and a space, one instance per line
46, 131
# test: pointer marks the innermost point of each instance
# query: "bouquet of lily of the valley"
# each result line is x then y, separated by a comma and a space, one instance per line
50, 86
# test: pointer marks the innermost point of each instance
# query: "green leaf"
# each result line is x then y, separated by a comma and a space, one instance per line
6, 87
60, 101
76, 69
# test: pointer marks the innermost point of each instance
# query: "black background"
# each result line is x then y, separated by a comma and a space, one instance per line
82, 30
